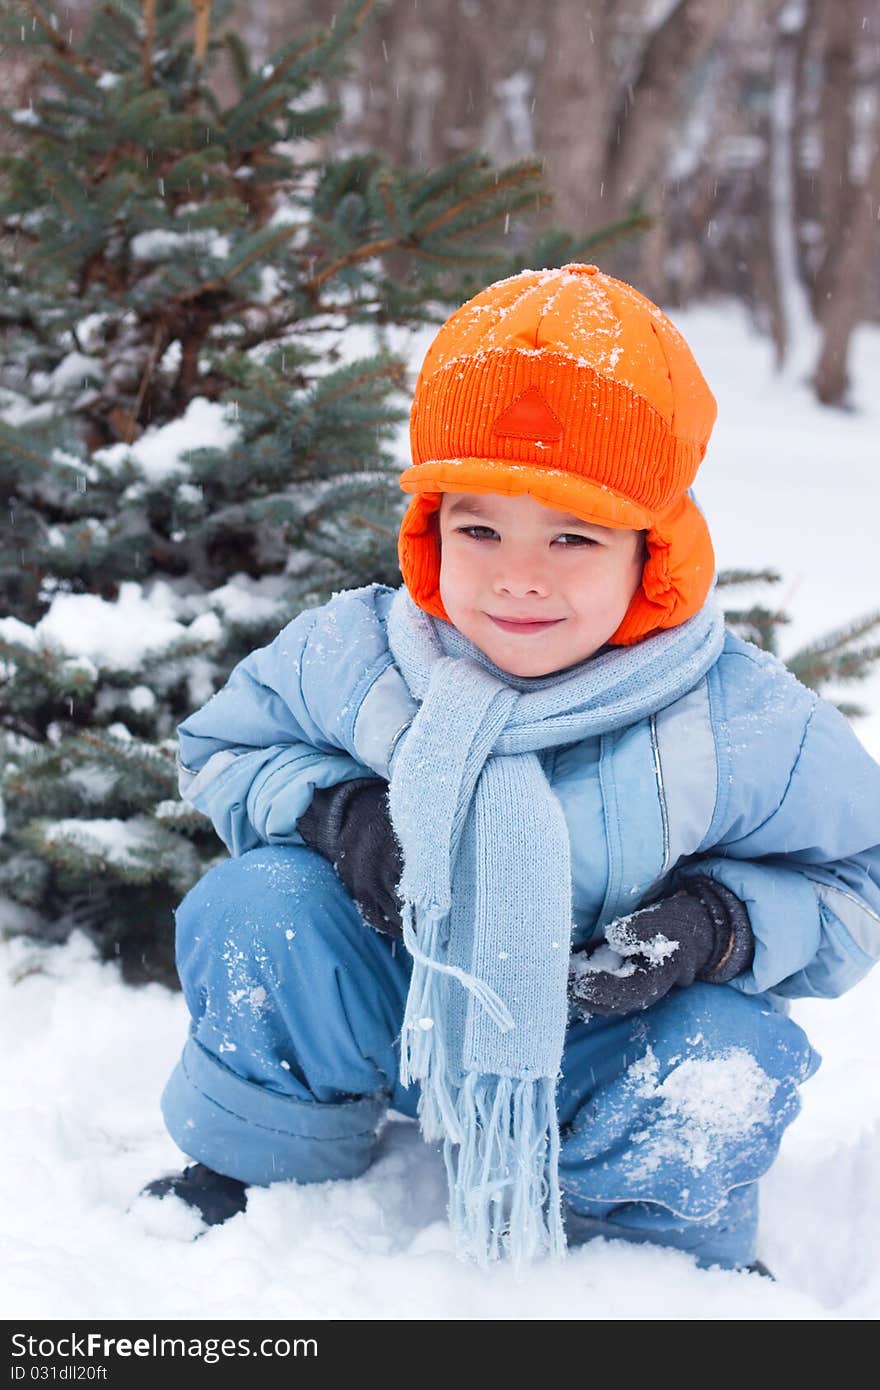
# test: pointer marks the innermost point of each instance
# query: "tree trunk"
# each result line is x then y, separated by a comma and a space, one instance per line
845, 306
573, 98
793, 326
644, 126
839, 19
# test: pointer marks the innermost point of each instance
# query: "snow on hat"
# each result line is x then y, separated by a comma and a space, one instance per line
570, 386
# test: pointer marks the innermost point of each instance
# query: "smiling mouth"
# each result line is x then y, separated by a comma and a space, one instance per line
523, 627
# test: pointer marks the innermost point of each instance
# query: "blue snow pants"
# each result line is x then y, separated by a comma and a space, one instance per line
668, 1117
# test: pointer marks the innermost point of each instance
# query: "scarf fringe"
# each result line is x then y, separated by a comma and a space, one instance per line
422, 1046
500, 1134
503, 1173
418, 1042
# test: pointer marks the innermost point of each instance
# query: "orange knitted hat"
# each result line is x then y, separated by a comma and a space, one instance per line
572, 387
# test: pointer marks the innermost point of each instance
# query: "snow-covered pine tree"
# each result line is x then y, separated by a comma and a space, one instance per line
198, 397
837, 657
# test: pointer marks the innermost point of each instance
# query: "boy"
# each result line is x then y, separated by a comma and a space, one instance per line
614, 838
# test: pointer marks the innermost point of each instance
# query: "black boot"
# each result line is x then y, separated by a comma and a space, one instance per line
213, 1196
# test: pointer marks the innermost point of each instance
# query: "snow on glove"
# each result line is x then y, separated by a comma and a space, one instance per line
702, 932
351, 826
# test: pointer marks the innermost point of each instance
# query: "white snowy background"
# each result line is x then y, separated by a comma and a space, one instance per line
84, 1057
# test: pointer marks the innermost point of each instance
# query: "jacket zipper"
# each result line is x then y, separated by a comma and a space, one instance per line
658, 773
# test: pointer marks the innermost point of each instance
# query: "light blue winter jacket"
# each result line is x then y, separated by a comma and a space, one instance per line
750, 778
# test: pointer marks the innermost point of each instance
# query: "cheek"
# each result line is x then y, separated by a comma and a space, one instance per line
458, 565
457, 576
619, 582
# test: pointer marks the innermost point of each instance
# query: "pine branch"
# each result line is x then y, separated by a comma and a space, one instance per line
57, 41
351, 258
387, 532
161, 339
230, 273
124, 38
828, 658
392, 370
526, 170
851, 710
727, 578
278, 327
52, 184
610, 235
238, 55
476, 229
270, 83
270, 92
840, 637
17, 727
68, 75
449, 259
13, 441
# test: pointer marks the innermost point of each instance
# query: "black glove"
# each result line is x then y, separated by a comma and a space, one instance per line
351, 826
702, 932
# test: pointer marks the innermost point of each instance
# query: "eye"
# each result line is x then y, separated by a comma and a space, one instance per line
573, 536
466, 531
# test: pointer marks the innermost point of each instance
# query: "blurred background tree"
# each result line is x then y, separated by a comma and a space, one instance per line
749, 132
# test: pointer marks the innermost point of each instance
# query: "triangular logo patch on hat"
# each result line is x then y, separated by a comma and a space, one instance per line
529, 417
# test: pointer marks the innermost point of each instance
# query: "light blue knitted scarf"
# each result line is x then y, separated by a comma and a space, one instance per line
486, 891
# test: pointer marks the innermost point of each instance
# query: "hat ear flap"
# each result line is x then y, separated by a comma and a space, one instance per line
418, 552
677, 575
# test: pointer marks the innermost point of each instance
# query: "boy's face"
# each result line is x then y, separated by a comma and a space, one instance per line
513, 558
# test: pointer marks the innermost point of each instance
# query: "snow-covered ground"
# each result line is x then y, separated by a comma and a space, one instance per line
83, 1057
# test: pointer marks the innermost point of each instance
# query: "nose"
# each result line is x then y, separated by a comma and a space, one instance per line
520, 576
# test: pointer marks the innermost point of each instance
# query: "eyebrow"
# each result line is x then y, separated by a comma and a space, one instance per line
476, 508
